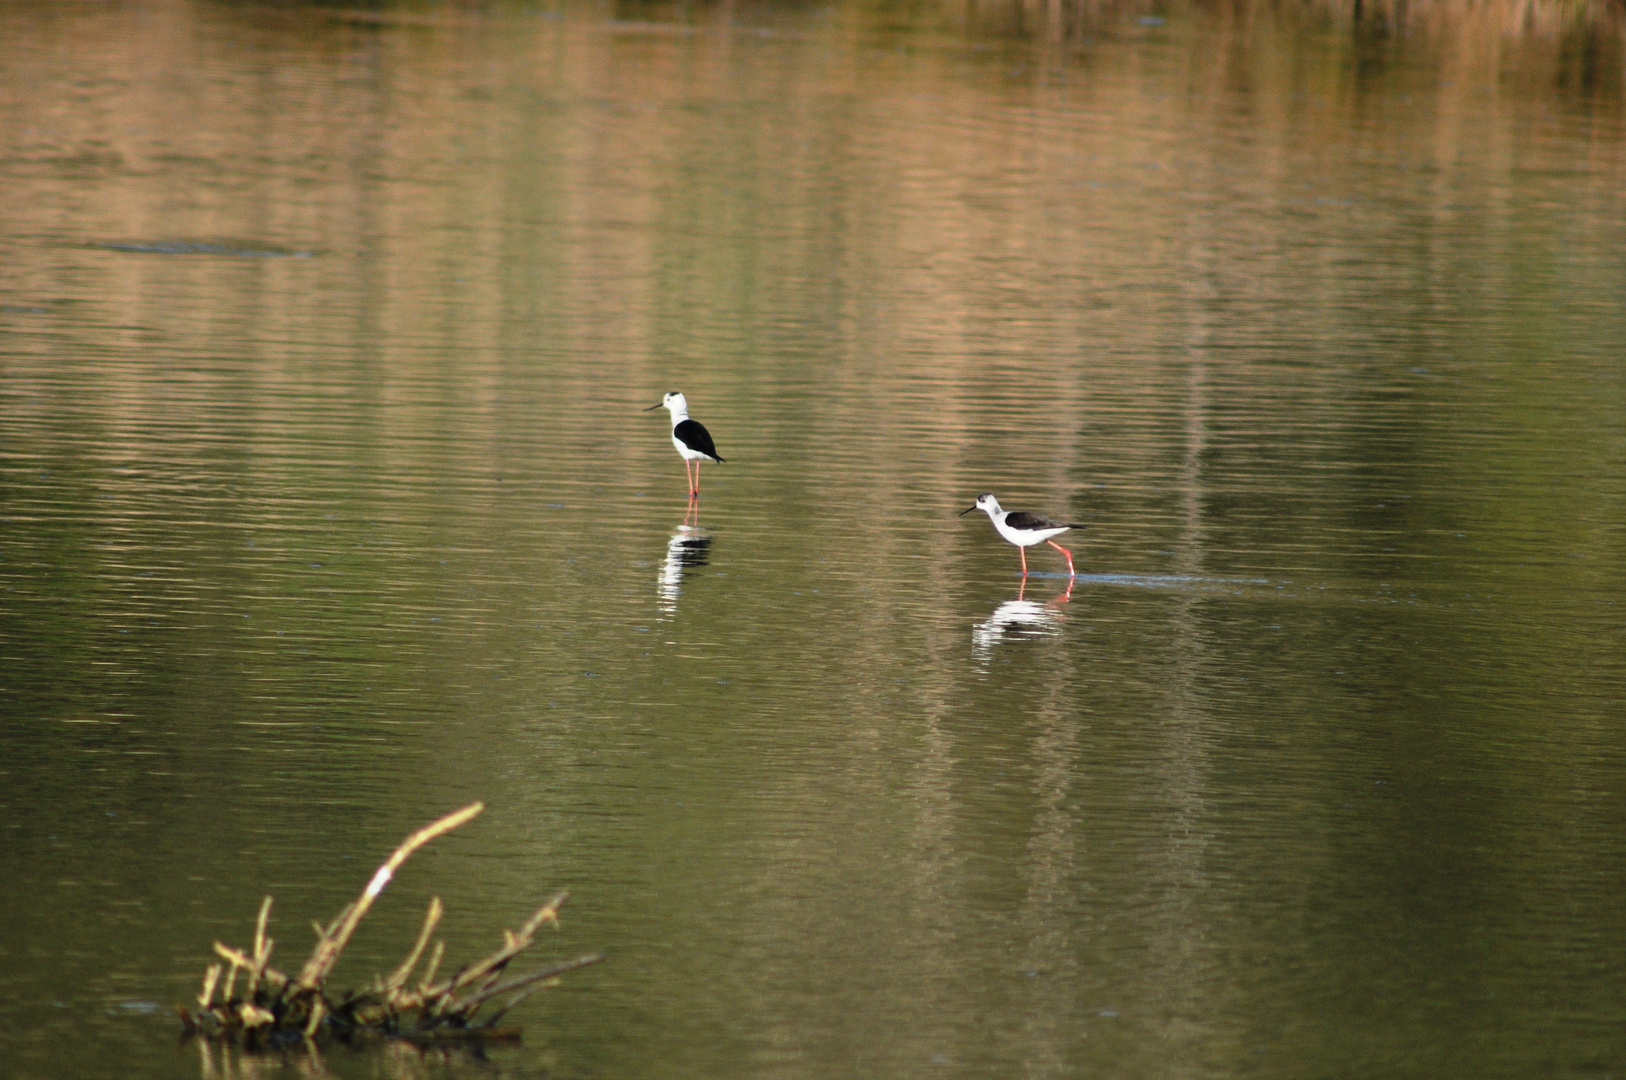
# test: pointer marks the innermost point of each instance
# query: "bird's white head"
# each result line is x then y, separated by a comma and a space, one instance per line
675, 403
985, 502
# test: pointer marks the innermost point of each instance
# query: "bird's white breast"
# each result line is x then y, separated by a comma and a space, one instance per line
683, 449
1025, 537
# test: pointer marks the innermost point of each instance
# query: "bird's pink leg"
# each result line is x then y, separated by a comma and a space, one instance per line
1070, 571
697, 478
1022, 551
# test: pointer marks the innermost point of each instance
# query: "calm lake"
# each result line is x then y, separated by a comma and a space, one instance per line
327, 506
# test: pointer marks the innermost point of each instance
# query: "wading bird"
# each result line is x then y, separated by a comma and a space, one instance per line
1023, 529
692, 440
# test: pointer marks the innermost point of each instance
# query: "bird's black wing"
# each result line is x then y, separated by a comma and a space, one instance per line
1021, 519
696, 437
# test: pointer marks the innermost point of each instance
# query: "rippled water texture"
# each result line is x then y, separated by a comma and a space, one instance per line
327, 506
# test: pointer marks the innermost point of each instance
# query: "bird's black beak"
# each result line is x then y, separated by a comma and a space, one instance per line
655, 406
967, 510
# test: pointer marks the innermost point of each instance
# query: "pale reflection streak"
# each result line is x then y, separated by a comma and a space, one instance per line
1020, 619
223, 1061
394, 1059
1180, 940
687, 550
1054, 1009
936, 867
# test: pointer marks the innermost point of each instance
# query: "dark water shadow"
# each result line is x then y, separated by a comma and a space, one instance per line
237, 249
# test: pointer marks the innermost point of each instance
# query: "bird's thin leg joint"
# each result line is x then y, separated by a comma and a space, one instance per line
1070, 571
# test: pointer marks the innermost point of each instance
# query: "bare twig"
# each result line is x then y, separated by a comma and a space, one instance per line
259, 926
272, 977
513, 944
399, 977
433, 966
540, 984
317, 1009
328, 949
550, 972
211, 975
262, 947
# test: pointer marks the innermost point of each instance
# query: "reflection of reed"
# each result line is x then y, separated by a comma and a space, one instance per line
607, 188
1064, 20
391, 1059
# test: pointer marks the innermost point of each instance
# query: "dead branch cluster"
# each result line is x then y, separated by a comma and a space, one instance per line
257, 1004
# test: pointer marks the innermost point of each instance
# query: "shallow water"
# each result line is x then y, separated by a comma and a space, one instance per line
327, 506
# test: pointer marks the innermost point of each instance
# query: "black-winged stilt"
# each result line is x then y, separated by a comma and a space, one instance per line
692, 440
1023, 529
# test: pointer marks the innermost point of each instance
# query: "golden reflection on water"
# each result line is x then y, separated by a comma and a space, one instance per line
1310, 311
391, 1060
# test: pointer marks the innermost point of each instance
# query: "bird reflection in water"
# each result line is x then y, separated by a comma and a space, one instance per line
1020, 620
689, 549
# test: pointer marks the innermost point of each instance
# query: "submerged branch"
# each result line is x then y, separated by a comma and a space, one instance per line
274, 1005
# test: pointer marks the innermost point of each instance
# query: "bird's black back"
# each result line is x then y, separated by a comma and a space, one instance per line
1021, 519
696, 437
